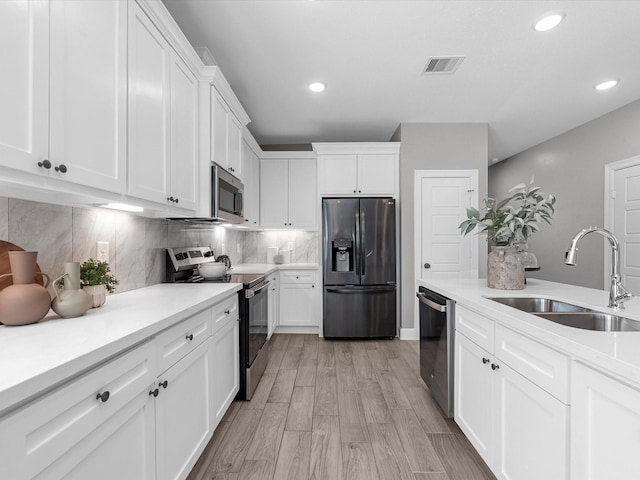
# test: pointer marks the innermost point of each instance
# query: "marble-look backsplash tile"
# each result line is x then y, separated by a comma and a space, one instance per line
63, 234
303, 245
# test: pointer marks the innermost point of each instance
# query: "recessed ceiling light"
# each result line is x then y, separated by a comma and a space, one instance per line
548, 22
317, 87
606, 85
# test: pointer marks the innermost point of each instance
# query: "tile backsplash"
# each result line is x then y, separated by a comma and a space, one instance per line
136, 244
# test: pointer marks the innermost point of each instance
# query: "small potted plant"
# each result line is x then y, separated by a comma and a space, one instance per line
96, 280
508, 223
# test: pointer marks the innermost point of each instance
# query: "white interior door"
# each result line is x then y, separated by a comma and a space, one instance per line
626, 224
441, 201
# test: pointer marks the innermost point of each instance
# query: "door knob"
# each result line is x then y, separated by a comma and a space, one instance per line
427, 265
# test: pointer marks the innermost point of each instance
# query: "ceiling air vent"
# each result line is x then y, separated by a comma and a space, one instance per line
440, 65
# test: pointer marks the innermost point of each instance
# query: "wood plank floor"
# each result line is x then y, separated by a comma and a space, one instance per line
339, 410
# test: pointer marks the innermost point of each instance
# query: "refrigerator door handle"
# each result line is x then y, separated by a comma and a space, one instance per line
358, 243
362, 243
360, 289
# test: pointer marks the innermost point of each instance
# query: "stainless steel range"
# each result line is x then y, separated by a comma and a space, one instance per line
181, 267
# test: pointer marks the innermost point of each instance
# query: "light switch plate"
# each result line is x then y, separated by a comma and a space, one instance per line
102, 250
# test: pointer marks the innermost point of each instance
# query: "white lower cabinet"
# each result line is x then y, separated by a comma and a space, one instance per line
517, 427
184, 421
225, 368
101, 425
148, 414
605, 427
299, 298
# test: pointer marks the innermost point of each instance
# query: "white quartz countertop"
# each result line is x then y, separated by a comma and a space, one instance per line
266, 268
617, 353
37, 357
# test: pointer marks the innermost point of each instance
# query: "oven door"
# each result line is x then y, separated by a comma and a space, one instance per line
257, 308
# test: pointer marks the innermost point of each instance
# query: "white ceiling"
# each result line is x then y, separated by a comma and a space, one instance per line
528, 86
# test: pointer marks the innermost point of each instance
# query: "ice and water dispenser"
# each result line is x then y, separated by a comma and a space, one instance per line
342, 255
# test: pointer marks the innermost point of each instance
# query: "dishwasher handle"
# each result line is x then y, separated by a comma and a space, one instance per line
431, 303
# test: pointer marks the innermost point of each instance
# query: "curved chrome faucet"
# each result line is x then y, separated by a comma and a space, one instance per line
617, 293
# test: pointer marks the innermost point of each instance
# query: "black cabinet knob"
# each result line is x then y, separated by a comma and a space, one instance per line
227, 312
62, 168
154, 392
485, 360
427, 265
189, 337
355, 191
494, 366
359, 191
177, 200
104, 396
45, 164
164, 384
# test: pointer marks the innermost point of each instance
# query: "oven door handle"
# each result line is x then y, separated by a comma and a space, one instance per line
431, 303
252, 292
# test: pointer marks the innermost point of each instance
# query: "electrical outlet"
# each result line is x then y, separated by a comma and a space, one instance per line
102, 250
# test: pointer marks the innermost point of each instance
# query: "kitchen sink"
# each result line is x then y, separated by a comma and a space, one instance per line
538, 304
570, 315
599, 321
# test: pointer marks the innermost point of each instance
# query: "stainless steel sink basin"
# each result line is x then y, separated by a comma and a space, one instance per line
538, 305
599, 321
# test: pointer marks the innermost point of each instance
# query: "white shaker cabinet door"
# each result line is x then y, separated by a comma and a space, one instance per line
89, 93
298, 304
376, 175
225, 367
338, 174
184, 134
302, 193
24, 85
274, 193
605, 427
184, 420
149, 97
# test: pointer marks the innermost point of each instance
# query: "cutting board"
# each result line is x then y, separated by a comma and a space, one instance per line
5, 248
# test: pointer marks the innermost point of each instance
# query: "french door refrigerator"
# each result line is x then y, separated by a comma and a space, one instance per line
359, 267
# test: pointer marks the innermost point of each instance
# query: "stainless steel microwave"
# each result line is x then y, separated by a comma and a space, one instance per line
227, 192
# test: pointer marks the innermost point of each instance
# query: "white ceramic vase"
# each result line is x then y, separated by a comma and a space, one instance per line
98, 294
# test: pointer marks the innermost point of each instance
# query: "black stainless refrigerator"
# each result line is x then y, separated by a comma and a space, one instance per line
359, 263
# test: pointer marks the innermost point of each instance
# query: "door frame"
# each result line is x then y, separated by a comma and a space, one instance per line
610, 170
417, 229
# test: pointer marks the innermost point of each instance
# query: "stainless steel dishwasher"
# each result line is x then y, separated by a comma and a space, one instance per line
437, 327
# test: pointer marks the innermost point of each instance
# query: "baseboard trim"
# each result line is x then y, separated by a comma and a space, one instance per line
301, 329
409, 334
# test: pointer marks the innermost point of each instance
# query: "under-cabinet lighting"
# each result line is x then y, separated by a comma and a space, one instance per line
606, 85
123, 207
548, 22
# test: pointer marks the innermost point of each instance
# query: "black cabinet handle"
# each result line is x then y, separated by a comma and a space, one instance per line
45, 164
485, 360
227, 312
355, 191
189, 337
104, 396
164, 384
177, 200
494, 366
154, 392
62, 168
359, 191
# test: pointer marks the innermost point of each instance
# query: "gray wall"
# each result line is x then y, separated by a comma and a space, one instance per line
571, 166
433, 146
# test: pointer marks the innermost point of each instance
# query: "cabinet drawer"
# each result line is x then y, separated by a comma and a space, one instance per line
297, 276
36, 440
175, 342
542, 365
224, 312
475, 327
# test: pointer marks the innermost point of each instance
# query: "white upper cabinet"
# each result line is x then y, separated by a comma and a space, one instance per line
24, 84
162, 118
64, 102
288, 193
357, 168
251, 174
226, 135
88, 104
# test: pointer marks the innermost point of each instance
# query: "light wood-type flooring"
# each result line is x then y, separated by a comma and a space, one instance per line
339, 410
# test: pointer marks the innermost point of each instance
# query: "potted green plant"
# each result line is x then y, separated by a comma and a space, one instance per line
96, 279
507, 223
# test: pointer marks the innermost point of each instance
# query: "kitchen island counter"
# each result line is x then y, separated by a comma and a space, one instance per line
36, 358
615, 353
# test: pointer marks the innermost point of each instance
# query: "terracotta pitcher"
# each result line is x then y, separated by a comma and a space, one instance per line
72, 301
24, 302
